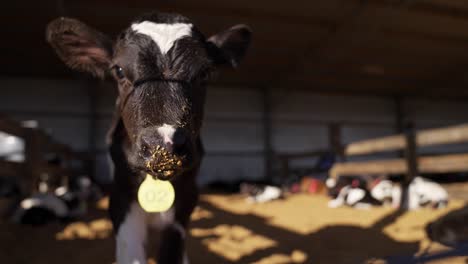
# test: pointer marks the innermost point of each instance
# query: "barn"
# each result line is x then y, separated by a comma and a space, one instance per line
318, 77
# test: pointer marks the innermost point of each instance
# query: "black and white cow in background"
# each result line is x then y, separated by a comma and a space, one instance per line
422, 192
160, 63
361, 193
350, 191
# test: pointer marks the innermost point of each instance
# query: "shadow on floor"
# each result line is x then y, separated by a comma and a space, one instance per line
459, 251
21, 244
331, 244
224, 237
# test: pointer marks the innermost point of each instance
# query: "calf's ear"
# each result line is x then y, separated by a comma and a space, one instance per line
230, 46
81, 47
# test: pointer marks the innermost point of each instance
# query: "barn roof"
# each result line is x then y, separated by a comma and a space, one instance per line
376, 47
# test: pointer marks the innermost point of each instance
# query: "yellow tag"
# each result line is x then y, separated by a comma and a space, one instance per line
155, 195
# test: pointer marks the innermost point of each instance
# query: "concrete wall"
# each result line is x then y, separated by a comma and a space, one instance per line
233, 127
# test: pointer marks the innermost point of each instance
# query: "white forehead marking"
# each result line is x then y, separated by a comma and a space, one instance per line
167, 132
163, 34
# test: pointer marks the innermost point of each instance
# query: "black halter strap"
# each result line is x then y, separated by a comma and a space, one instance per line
138, 84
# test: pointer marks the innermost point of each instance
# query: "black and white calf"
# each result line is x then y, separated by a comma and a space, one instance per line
160, 63
351, 192
422, 192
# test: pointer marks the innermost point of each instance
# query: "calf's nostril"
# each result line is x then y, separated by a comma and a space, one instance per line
179, 139
145, 149
148, 146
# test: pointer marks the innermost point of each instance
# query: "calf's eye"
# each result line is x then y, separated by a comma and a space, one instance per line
119, 72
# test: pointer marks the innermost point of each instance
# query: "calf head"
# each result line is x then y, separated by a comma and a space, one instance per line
160, 63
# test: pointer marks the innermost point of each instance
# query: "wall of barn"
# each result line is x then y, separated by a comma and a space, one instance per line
232, 132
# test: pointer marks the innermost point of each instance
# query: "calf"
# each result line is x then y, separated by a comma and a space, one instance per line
160, 64
354, 194
421, 192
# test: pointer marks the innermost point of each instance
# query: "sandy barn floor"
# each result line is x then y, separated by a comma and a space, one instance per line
225, 229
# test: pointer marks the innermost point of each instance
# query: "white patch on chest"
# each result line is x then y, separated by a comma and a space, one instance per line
167, 133
131, 237
163, 34
159, 221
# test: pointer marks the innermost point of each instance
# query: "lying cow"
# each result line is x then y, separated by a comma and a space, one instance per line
386, 192
334, 186
260, 193
354, 194
421, 192
160, 64
361, 193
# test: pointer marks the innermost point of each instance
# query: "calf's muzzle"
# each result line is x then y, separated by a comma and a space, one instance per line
164, 155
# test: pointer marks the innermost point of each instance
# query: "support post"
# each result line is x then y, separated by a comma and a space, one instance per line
267, 133
334, 141
33, 161
284, 162
411, 163
399, 120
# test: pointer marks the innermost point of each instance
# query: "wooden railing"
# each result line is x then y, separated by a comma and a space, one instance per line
411, 164
37, 145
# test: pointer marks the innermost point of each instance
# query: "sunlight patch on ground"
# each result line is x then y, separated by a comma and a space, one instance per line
96, 229
232, 242
227, 227
310, 213
200, 213
296, 256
